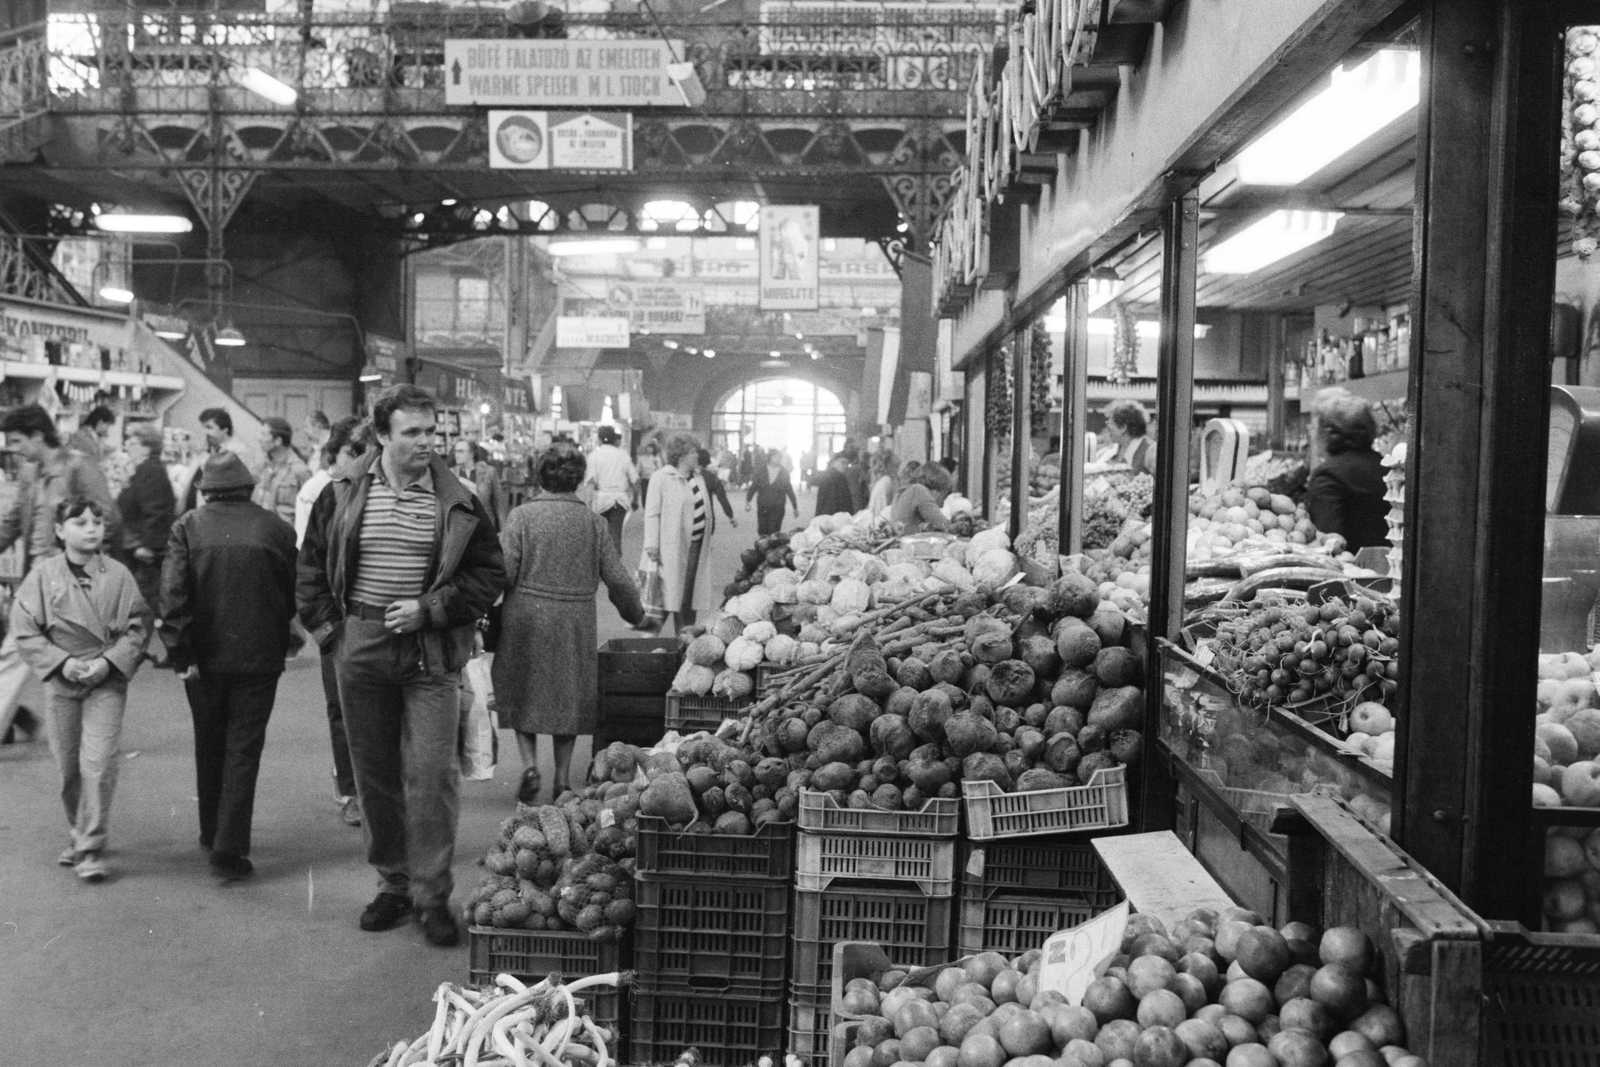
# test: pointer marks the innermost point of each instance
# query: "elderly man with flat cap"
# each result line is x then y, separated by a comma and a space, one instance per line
227, 597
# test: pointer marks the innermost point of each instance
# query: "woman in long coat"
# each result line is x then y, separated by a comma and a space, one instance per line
557, 551
669, 530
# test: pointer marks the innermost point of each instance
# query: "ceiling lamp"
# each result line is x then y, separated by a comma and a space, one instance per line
1356, 104
597, 247
267, 87
1269, 239
370, 372
116, 294
168, 327
118, 222
775, 364
228, 337
710, 353
1146, 329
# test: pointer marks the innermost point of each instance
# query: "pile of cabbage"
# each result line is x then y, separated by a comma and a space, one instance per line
825, 596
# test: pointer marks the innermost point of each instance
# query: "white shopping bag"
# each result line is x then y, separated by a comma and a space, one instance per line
479, 744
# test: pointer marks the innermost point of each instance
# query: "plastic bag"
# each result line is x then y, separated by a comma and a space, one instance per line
477, 742
652, 591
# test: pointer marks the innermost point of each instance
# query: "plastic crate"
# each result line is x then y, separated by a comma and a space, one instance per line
1541, 998
712, 935
530, 955
811, 1029
929, 863
939, 817
1013, 923
632, 718
641, 665
689, 714
728, 1031
914, 931
1062, 867
992, 812
841, 1041
766, 855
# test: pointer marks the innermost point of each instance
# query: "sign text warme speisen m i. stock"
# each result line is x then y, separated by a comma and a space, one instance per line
555, 73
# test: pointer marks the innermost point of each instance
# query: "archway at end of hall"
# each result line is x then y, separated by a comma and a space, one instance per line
802, 419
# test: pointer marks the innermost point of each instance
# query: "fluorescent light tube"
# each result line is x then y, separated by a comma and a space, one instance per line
115, 222
267, 87
1269, 239
1356, 104
599, 247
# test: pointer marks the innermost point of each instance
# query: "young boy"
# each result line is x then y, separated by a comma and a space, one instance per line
82, 626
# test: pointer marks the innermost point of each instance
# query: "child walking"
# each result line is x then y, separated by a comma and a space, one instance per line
82, 626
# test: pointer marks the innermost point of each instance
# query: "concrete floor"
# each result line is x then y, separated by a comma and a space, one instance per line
164, 966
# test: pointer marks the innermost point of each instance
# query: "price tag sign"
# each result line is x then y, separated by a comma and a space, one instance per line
1071, 956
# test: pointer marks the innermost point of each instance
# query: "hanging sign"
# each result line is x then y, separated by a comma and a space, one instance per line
789, 241
660, 308
554, 73
560, 140
591, 331
22, 323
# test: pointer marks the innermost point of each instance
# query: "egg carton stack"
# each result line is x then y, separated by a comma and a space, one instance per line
711, 943
864, 874
1395, 493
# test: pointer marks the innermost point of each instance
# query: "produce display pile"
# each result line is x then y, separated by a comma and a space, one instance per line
1580, 141
1338, 653
509, 1024
837, 573
1566, 744
1240, 518
1029, 688
1110, 501
1572, 880
569, 865
1220, 988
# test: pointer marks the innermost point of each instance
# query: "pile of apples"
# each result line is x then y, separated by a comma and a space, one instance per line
1226, 520
1566, 746
1572, 880
1220, 989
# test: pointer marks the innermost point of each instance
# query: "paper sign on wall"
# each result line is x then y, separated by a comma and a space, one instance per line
1071, 956
591, 331
790, 240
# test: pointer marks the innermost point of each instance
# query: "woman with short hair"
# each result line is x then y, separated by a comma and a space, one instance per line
916, 507
678, 524
1126, 426
545, 668
1345, 493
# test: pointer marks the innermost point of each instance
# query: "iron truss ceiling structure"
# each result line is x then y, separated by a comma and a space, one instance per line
128, 107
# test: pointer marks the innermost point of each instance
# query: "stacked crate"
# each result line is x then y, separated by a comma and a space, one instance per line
866, 875
635, 674
1016, 892
711, 944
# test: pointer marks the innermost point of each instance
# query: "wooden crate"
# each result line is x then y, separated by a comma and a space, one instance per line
1430, 946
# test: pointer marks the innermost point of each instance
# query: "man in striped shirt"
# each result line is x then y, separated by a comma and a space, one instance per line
399, 562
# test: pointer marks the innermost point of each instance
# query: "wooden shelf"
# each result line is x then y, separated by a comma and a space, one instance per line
90, 376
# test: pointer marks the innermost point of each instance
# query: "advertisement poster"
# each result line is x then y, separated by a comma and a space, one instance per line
560, 73
660, 308
789, 240
560, 140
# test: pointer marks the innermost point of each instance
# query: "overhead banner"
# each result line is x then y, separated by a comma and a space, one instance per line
560, 140
561, 73
660, 308
790, 239
592, 331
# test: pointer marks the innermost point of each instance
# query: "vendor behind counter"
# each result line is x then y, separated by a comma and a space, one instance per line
1345, 493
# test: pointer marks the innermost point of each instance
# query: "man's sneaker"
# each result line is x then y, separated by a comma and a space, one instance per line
385, 912
439, 926
68, 858
350, 811
91, 867
231, 868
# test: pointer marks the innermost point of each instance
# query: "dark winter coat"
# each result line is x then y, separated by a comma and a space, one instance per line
1345, 497
834, 494
465, 577
148, 507
227, 589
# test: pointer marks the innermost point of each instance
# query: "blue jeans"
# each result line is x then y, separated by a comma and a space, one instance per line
85, 730
402, 725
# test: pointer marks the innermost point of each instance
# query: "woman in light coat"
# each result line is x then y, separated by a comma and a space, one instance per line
669, 527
